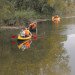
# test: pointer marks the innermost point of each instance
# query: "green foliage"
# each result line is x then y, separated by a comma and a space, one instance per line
6, 9
27, 14
57, 5
34, 8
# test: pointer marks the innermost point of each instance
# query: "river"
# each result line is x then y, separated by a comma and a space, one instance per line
52, 53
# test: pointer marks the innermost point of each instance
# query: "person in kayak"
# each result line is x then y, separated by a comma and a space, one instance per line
27, 32
32, 26
22, 33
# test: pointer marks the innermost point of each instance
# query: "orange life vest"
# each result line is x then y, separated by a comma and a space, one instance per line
32, 26
27, 32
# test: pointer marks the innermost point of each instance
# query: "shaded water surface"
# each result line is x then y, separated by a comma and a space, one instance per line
52, 53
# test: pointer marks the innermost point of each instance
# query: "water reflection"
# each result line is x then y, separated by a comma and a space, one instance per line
24, 44
69, 45
45, 57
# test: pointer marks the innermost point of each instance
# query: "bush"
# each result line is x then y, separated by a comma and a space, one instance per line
6, 10
27, 14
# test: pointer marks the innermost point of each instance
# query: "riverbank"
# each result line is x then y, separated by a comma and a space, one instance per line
24, 17
20, 27
11, 27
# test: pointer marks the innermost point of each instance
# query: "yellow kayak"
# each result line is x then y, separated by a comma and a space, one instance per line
24, 38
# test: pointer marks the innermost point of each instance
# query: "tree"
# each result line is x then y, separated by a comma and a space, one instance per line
59, 5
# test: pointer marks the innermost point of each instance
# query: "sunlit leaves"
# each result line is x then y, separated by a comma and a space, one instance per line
51, 2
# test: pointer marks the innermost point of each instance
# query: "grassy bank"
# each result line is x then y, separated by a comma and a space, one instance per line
31, 14
23, 17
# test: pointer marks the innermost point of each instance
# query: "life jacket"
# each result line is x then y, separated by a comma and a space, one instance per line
32, 26
27, 32
55, 18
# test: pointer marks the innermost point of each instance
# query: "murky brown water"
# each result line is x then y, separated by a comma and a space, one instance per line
51, 54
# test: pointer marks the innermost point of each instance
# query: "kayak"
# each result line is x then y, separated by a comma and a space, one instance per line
24, 38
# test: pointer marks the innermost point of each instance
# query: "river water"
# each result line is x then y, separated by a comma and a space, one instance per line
52, 53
